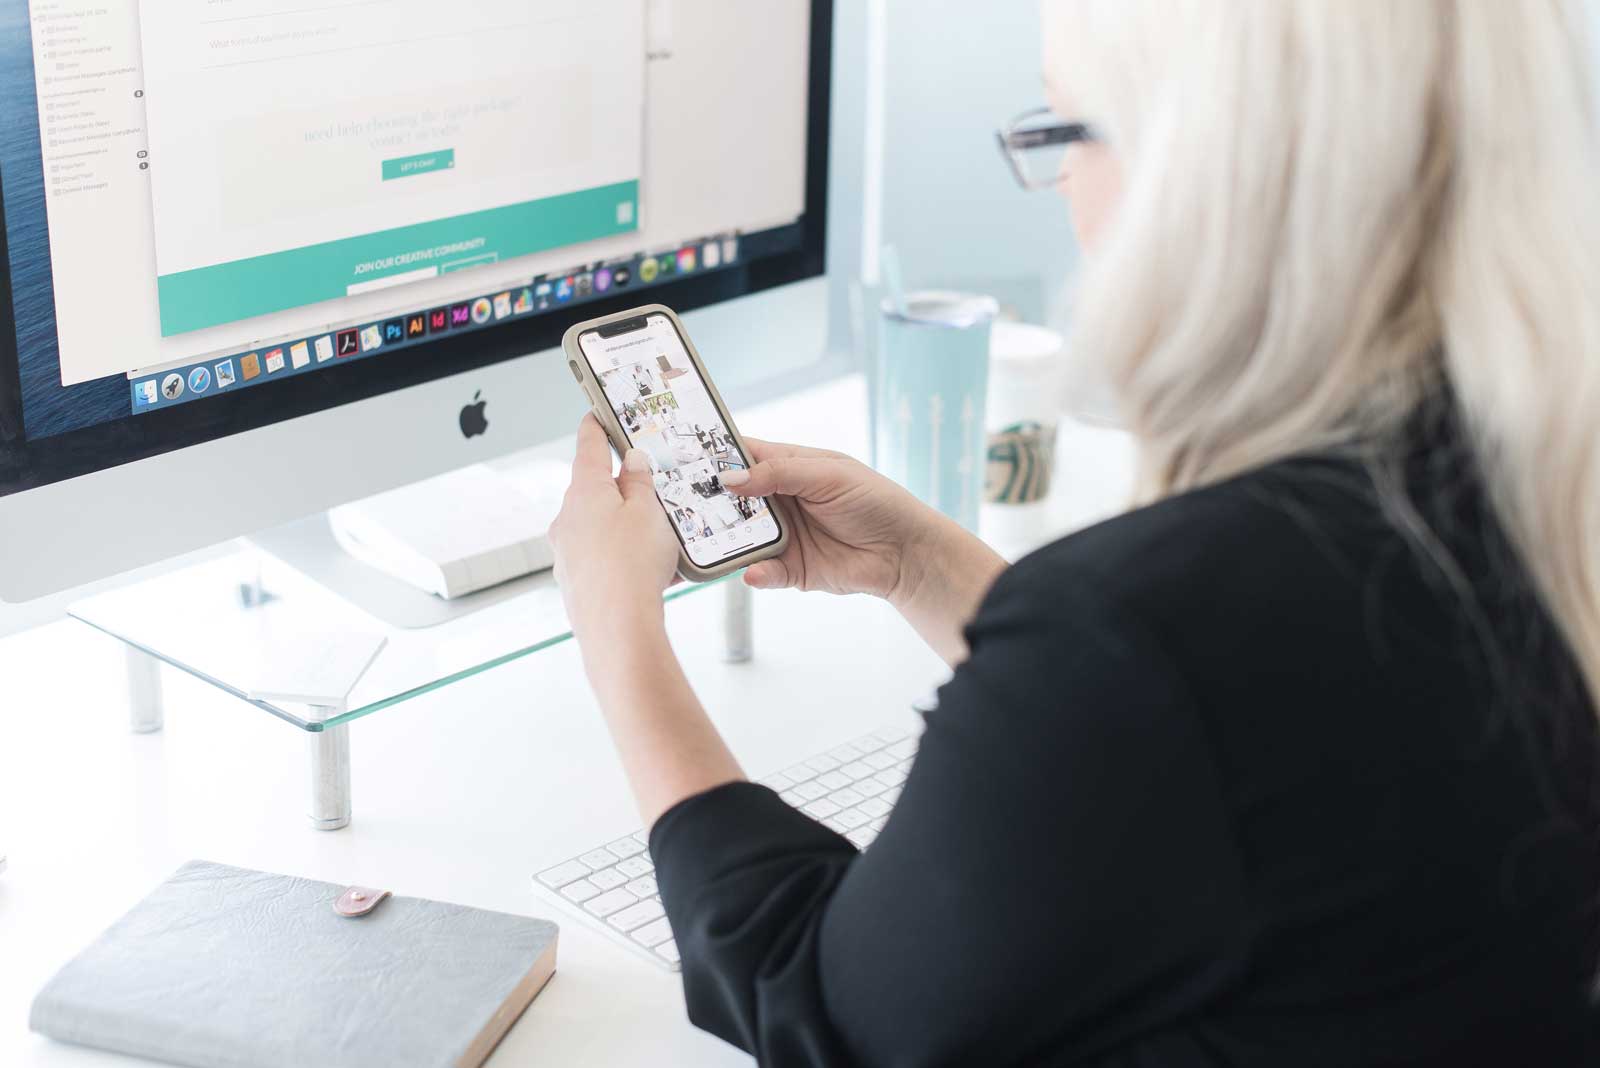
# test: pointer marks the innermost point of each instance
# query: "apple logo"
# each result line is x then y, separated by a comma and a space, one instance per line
473, 421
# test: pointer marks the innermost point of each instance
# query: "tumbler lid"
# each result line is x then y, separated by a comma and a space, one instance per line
955, 311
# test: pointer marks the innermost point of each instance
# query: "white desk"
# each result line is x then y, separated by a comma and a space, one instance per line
93, 817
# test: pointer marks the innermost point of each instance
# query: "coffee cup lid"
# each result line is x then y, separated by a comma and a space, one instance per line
955, 311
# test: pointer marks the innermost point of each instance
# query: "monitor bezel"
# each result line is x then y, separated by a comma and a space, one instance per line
30, 464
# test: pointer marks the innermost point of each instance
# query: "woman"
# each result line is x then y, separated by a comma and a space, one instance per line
1310, 737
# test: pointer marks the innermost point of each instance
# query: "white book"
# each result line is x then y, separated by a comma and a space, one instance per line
452, 535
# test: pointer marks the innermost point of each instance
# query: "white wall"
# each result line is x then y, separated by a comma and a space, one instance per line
954, 71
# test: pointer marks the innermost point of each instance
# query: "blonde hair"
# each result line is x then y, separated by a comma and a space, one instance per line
1338, 208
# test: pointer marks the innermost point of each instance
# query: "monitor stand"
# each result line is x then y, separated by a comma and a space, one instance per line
273, 637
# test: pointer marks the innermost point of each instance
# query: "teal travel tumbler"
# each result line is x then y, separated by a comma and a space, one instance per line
933, 376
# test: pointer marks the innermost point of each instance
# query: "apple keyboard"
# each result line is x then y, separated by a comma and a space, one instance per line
612, 888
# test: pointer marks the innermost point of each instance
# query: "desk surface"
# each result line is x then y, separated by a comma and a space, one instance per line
92, 816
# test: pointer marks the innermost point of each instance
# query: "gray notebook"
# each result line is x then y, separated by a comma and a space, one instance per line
227, 968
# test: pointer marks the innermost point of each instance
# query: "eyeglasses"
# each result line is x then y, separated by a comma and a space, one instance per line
1035, 144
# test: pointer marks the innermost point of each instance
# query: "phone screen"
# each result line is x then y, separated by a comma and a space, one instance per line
667, 412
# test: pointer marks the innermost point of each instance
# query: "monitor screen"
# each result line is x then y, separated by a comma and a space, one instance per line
218, 215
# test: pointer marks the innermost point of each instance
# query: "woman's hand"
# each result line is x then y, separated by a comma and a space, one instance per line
854, 531
614, 556
614, 551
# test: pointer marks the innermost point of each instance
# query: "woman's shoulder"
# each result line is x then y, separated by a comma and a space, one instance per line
1294, 529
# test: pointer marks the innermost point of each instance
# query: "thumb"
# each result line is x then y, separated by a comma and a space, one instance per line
768, 575
790, 476
637, 478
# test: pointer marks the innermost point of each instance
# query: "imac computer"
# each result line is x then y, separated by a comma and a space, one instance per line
259, 259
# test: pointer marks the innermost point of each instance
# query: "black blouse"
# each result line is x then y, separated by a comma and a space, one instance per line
1242, 778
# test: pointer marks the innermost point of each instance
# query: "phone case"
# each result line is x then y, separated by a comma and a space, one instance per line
619, 441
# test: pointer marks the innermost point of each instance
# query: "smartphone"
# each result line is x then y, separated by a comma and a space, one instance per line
650, 391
